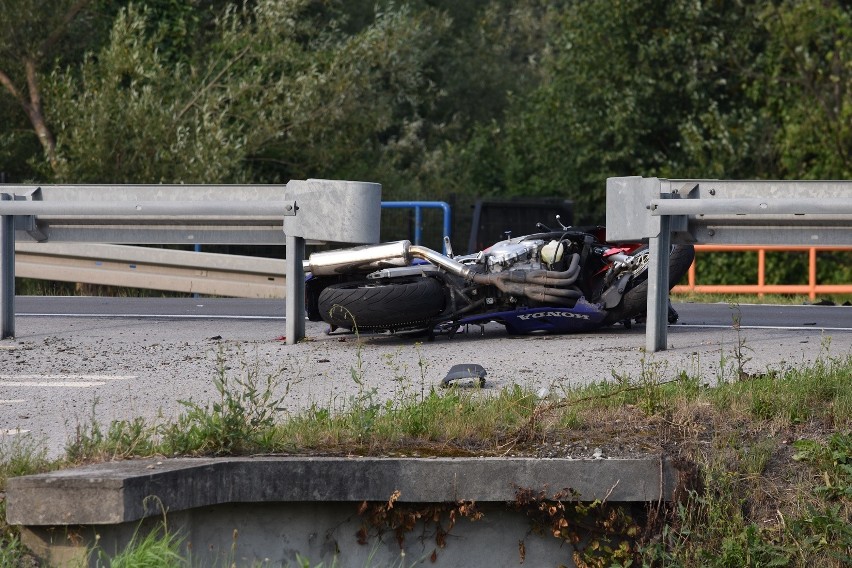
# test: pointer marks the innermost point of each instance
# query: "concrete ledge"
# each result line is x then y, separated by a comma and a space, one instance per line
116, 492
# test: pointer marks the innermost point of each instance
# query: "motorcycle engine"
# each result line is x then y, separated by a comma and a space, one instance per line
508, 254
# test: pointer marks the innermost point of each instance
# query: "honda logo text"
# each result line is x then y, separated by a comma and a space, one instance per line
538, 315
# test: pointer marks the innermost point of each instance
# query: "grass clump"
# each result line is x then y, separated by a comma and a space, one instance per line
241, 420
121, 439
765, 460
775, 486
819, 392
158, 548
444, 422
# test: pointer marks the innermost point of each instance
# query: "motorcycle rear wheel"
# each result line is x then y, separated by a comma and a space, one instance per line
401, 304
634, 303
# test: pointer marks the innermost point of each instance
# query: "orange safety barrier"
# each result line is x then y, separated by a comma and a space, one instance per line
761, 288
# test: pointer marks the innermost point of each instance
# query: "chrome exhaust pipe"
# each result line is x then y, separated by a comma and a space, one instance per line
444, 262
369, 258
365, 258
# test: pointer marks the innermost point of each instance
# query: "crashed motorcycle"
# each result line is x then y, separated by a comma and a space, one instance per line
559, 281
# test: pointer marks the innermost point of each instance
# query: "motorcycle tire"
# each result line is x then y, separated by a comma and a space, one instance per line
402, 304
635, 301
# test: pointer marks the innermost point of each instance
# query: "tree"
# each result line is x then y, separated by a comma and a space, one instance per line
31, 33
483, 53
269, 96
808, 86
629, 87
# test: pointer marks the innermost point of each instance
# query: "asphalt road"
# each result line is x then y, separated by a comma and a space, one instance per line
78, 359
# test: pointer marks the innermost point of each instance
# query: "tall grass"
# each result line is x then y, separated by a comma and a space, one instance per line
159, 548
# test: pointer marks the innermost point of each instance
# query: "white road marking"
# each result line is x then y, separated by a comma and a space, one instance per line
12, 400
779, 327
13, 432
152, 316
66, 377
71, 384
67, 381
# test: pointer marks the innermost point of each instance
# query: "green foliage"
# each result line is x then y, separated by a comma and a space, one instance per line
128, 115
434, 99
808, 66
715, 531
22, 455
48, 30
270, 95
735, 515
834, 459
725, 524
242, 420
12, 552
34, 36
159, 548
239, 422
454, 418
18, 143
628, 87
677, 89
792, 395
121, 439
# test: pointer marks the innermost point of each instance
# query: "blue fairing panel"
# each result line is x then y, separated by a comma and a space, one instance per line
582, 317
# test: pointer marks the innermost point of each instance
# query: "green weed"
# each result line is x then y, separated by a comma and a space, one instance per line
240, 421
12, 553
121, 439
159, 548
22, 455
751, 512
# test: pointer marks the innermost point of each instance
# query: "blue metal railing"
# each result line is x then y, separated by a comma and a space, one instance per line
418, 207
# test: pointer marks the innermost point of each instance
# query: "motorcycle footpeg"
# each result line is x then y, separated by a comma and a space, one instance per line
465, 372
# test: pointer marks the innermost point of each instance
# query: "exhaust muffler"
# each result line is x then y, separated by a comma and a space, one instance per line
358, 259
369, 258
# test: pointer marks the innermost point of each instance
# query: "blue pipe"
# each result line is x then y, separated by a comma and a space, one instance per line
418, 206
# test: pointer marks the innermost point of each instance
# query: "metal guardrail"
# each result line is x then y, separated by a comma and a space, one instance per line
174, 270
321, 210
666, 211
812, 288
153, 269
